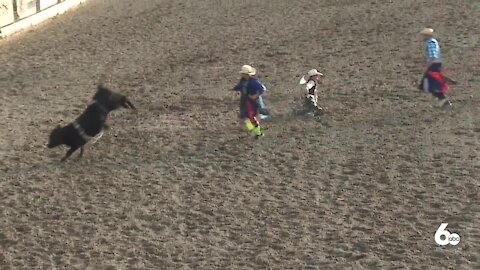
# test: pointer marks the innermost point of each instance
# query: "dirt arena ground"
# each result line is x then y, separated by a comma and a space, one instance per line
178, 185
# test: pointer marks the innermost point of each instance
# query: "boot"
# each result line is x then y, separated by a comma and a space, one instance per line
254, 130
257, 131
444, 103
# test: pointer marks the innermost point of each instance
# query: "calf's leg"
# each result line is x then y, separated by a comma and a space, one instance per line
81, 152
69, 153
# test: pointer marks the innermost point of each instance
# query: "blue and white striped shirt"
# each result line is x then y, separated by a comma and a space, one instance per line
432, 50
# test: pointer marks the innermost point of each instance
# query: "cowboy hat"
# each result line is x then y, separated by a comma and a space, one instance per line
249, 70
314, 72
427, 31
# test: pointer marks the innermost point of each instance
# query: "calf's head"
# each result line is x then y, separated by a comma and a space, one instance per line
56, 137
111, 100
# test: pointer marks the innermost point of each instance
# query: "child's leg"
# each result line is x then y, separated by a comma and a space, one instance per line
252, 122
261, 104
443, 100
315, 98
440, 96
262, 108
252, 112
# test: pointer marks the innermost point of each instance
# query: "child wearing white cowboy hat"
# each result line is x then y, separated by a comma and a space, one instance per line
433, 80
311, 82
263, 111
251, 90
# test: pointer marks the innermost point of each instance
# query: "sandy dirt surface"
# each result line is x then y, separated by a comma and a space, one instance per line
179, 185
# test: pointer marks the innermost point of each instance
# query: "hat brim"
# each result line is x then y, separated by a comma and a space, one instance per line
428, 32
248, 73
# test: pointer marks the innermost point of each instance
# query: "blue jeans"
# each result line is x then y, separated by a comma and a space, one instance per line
428, 84
261, 106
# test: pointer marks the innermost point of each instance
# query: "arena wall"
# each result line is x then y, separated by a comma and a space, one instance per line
6, 12
16, 15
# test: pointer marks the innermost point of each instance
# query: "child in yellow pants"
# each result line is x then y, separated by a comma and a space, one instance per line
251, 89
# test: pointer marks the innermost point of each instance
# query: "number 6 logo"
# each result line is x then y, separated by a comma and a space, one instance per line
450, 238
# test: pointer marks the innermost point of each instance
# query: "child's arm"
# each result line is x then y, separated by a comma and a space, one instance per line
254, 96
239, 85
257, 89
